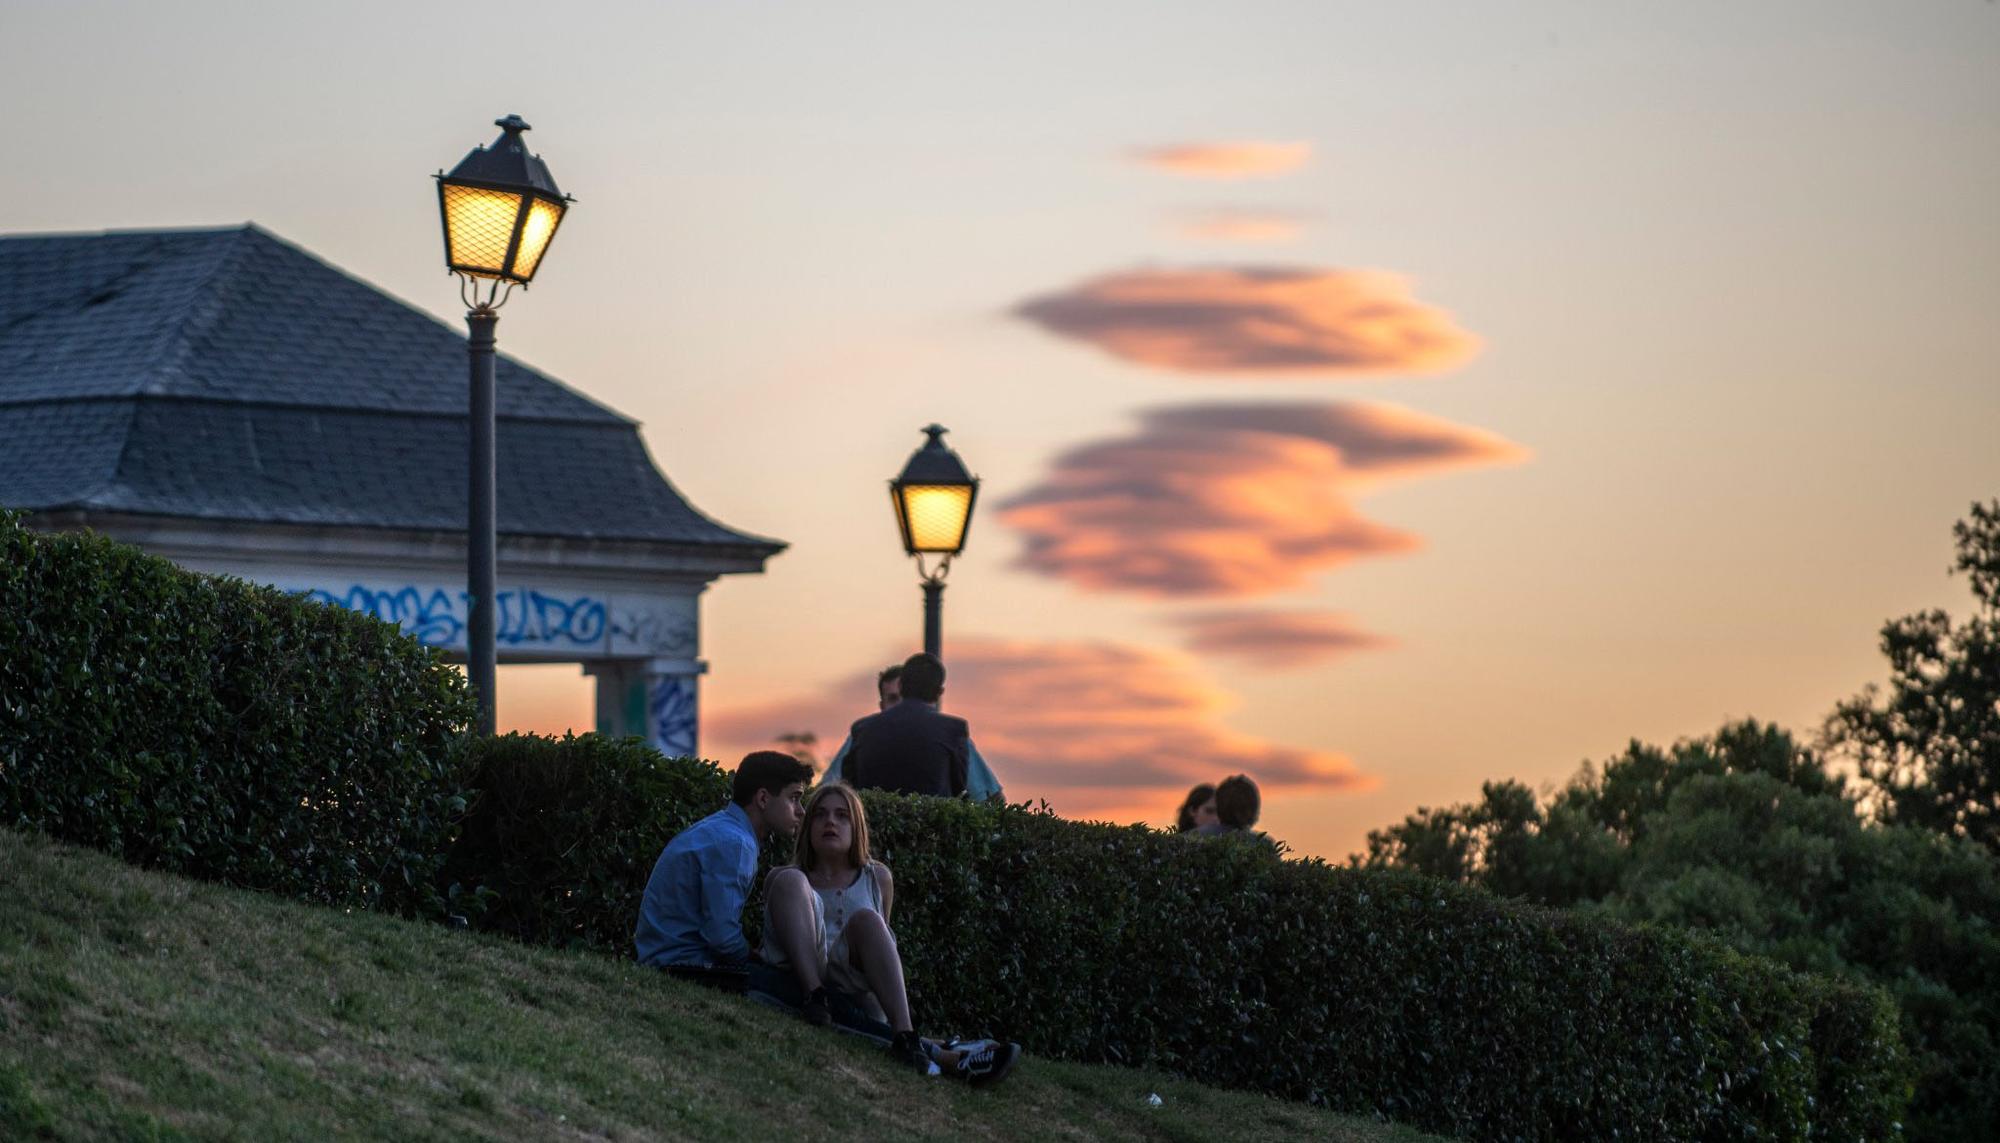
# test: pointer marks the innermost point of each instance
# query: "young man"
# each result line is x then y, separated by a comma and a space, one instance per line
980, 784
691, 918
912, 747
1237, 805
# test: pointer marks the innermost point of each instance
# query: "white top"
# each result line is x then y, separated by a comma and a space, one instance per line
838, 905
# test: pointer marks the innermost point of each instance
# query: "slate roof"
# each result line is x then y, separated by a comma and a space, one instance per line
229, 375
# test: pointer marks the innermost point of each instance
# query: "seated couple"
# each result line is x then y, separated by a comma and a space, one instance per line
828, 951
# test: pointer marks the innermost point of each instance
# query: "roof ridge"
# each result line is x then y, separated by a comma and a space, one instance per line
111, 479
197, 319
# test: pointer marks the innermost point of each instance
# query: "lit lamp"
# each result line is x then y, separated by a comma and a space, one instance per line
933, 498
500, 209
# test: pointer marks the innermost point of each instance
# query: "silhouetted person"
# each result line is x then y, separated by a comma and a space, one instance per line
912, 747
1237, 805
980, 783
1197, 810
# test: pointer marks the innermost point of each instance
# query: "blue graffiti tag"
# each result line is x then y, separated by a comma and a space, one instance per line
438, 619
672, 706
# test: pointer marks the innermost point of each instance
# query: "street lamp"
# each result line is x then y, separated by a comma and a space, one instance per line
500, 209
933, 498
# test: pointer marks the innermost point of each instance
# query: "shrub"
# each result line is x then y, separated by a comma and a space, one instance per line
561, 834
220, 729
1426, 1002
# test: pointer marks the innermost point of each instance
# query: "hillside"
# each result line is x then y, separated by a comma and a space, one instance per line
135, 1005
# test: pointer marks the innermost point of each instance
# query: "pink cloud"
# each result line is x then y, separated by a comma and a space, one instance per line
1095, 728
1276, 639
1233, 500
1229, 160
1241, 225
1257, 320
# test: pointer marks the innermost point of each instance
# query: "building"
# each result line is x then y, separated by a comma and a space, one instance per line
229, 401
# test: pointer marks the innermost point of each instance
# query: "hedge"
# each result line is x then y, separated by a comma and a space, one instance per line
1425, 1002
561, 834
220, 729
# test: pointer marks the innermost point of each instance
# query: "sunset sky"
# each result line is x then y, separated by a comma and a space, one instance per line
1373, 398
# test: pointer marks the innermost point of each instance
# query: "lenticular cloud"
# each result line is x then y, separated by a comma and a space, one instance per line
1233, 500
1241, 225
1276, 639
1257, 320
1230, 160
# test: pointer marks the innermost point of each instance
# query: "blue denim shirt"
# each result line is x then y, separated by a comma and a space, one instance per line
980, 784
692, 912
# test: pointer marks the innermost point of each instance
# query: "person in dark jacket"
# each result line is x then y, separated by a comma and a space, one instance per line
912, 747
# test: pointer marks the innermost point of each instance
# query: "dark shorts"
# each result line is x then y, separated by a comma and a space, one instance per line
778, 988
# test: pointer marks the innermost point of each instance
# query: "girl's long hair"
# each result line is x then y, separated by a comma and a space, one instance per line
1195, 798
803, 855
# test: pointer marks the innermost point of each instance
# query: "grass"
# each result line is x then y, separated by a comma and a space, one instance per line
135, 1005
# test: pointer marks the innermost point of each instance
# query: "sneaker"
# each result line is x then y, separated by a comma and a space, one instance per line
982, 1062
909, 1050
815, 1010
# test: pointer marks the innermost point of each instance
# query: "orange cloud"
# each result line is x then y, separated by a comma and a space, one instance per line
1257, 319
1240, 160
1098, 729
1233, 500
1232, 225
1276, 639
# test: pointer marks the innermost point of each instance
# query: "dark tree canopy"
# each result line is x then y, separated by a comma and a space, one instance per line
1928, 746
1746, 835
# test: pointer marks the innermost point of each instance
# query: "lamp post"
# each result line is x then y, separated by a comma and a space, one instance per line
933, 498
500, 209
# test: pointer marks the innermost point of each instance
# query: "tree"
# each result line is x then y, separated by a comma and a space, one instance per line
1928, 748
1746, 835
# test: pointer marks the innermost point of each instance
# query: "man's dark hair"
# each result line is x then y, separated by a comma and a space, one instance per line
771, 770
1237, 802
923, 677
889, 675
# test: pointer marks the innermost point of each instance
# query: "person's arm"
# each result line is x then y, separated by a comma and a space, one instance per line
885, 884
839, 758
980, 783
959, 764
725, 886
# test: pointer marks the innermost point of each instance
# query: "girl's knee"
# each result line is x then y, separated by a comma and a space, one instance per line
870, 923
787, 883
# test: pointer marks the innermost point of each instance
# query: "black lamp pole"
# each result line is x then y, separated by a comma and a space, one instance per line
500, 209
481, 524
934, 615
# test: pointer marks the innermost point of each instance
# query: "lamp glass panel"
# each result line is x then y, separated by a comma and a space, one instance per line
936, 514
541, 226
478, 223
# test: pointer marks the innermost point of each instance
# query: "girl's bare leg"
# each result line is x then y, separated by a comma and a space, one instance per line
793, 927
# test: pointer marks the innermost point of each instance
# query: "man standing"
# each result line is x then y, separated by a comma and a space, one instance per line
691, 917
980, 783
912, 747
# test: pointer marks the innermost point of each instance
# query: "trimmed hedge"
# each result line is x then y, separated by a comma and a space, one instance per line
220, 729
1431, 1004
561, 834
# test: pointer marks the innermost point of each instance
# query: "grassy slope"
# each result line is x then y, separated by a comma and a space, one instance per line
136, 1005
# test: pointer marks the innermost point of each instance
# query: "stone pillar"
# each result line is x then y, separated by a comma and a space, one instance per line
621, 696
653, 699
673, 709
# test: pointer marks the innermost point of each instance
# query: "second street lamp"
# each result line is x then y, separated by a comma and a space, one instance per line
933, 498
500, 209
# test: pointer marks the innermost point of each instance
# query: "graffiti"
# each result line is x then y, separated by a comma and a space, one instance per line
655, 633
524, 618
671, 706
433, 619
